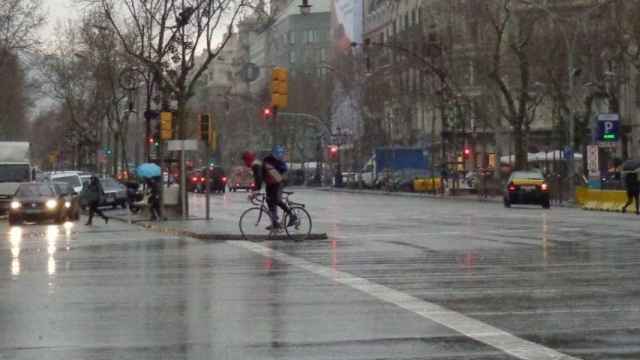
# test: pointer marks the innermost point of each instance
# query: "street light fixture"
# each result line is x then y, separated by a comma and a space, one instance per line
305, 8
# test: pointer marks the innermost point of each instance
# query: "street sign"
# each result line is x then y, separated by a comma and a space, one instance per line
593, 163
250, 72
608, 130
186, 145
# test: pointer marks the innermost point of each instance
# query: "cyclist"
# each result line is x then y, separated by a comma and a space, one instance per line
270, 171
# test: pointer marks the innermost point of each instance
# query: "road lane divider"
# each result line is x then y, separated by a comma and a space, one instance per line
469, 327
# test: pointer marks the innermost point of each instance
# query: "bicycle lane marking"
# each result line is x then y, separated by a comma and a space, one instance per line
469, 327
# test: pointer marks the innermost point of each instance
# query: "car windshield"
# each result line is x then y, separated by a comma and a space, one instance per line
63, 188
72, 180
34, 190
529, 175
14, 173
109, 183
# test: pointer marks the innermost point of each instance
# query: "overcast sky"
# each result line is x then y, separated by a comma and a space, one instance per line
58, 11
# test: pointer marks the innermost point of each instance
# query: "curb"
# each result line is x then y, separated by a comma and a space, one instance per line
218, 236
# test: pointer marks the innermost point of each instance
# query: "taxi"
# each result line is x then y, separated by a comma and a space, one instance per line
527, 187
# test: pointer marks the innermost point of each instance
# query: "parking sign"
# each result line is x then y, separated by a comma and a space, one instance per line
608, 129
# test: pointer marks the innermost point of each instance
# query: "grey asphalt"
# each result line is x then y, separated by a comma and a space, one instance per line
563, 279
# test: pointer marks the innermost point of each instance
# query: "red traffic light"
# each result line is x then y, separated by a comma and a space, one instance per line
267, 112
467, 153
333, 149
152, 140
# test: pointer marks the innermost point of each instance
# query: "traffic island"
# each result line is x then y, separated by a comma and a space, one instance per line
602, 200
200, 229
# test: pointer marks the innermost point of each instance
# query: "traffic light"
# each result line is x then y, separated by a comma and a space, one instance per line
333, 151
205, 127
166, 125
267, 113
279, 88
467, 153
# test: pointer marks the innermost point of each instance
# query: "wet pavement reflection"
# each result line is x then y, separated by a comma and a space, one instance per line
563, 278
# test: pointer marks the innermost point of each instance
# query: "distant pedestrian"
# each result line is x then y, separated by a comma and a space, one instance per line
633, 191
94, 194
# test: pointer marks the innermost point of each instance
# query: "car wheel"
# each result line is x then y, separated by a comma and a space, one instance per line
14, 220
546, 205
507, 204
59, 220
123, 205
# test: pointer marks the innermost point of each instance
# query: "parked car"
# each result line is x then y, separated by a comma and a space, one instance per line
241, 179
115, 194
69, 198
36, 202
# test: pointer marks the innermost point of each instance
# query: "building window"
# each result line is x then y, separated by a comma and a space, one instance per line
291, 38
292, 57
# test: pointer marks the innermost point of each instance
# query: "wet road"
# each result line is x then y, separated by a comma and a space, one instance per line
399, 278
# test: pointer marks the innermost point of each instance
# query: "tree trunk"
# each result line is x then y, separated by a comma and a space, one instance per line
182, 135
520, 148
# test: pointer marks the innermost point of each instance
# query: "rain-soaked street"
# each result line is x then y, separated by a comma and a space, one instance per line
398, 278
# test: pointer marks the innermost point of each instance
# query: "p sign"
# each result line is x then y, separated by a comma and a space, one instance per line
608, 128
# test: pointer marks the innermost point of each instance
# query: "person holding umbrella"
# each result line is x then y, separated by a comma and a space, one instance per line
631, 184
151, 174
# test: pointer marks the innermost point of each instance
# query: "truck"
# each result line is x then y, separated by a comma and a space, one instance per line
399, 164
15, 168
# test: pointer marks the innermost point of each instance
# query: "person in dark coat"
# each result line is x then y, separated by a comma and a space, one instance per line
633, 191
94, 194
154, 199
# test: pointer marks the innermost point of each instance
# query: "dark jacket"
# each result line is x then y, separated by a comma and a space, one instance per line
631, 182
94, 191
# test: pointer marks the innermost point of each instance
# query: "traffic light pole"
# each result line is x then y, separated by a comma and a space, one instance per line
274, 128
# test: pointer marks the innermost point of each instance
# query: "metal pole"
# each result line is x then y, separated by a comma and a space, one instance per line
183, 181
208, 196
572, 163
162, 185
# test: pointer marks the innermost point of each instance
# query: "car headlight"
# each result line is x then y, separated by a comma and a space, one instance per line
16, 205
67, 204
51, 204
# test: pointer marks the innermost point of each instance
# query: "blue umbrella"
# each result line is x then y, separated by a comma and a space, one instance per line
148, 170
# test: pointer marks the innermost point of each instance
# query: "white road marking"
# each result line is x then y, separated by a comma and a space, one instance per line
474, 329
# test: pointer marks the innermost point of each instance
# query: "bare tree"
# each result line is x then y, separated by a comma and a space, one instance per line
13, 99
19, 20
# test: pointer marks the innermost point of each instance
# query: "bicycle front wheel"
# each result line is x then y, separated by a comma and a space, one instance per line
300, 229
254, 224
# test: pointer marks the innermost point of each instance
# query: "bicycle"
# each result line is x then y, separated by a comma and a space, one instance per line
256, 222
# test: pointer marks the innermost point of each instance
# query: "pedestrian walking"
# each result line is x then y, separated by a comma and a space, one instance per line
154, 199
94, 194
633, 191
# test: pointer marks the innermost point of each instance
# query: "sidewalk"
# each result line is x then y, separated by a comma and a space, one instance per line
220, 228
476, 198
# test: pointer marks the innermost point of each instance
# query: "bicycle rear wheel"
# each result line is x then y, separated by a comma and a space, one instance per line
254, 223
301, 228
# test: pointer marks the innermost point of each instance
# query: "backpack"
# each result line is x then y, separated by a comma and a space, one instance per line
275, 170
